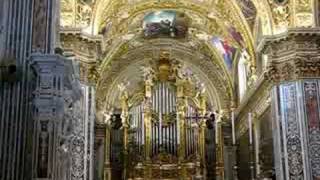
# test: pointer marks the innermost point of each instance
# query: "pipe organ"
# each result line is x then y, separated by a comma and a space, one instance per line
164, 135
191, 134
167, 127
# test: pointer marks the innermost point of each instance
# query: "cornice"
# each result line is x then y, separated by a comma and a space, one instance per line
290, 33
292, 56
77, 32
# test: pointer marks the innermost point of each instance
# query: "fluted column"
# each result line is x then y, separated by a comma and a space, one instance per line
294, 70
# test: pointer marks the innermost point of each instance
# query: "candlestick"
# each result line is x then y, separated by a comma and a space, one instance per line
250, 127
233, 128
217, 128
160, 128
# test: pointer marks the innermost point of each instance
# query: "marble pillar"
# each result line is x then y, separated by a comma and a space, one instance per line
294, 70
297, 129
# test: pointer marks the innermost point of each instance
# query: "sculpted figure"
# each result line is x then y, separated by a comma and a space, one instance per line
148, 74
108, 116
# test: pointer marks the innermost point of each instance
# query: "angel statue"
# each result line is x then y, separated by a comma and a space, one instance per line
201, 89
148, 74
107, 116
124, 97
176, 70
123, 91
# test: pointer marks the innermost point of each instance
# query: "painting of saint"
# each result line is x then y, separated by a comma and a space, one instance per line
225, 49
165, 24
311, 104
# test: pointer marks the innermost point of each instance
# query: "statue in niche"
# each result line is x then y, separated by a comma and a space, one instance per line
43, 149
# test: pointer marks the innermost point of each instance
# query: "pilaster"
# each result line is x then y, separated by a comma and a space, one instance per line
294, 70
48, 110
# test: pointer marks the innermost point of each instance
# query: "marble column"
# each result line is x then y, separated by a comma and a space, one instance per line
294, 70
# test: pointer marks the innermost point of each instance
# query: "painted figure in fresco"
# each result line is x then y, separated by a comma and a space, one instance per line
165, 23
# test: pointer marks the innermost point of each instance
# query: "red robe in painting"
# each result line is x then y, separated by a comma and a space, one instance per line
312, 106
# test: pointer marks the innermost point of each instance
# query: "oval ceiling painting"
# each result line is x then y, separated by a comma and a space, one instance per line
165, 24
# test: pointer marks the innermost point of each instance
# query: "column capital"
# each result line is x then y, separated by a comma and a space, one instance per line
293, 55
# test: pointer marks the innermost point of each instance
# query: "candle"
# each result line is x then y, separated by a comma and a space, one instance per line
250, 127
233, 128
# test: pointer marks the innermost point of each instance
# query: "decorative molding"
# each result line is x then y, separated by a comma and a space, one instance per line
85, 49
293, 55
63, 136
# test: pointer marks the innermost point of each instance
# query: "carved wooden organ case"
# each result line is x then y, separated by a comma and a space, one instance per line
168, 126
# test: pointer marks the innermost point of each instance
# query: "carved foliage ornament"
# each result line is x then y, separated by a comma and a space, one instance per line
280, 12
300, 67
292, 134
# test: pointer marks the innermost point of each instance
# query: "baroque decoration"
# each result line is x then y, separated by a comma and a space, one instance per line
159, 89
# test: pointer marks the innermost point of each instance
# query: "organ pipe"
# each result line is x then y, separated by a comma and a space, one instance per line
164, 121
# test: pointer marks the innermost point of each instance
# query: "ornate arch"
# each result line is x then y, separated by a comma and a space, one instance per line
216, 14
209, 67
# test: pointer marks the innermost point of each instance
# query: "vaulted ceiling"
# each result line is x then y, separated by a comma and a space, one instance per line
124, 49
